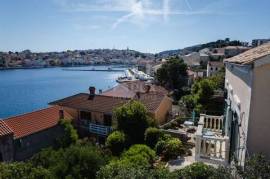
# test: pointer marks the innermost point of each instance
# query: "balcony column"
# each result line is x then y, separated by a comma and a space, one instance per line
204, 147
215, 149
227, 149
198, 147
215, 124
209, 148
220, 149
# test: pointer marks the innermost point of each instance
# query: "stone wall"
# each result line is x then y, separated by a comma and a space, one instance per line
6, 148
27, 146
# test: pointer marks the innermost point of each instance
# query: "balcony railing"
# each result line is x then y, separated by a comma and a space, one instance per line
211, 145
94, 128
100, 129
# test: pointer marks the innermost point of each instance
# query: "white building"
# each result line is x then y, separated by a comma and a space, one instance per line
245, 128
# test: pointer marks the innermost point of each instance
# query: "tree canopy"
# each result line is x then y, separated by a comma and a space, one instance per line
172, 74
76, 161
132, 119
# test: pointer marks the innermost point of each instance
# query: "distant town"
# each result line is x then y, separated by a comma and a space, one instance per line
191, 55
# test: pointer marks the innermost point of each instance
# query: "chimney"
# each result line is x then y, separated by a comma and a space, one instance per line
92, 92
147, 88
138, 94
61, 114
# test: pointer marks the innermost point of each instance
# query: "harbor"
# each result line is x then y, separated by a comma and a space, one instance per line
132, 74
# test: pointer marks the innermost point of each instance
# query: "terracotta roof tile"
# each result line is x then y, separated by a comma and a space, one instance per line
151, 100
99, 103
33, 122
106, 104
129, 89
4, 129
251, 55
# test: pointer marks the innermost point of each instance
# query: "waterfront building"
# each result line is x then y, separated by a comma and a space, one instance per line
244, 129
24, 135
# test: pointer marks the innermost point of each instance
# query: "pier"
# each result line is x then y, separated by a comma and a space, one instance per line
107, 70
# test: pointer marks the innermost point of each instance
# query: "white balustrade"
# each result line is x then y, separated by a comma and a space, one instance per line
211, 148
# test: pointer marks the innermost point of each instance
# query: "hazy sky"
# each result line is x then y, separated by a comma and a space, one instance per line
144, 25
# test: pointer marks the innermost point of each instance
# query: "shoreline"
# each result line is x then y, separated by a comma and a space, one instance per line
29, 68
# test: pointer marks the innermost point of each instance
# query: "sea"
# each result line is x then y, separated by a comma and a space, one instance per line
26, 90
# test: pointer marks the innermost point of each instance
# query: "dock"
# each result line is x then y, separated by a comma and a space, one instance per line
101, 70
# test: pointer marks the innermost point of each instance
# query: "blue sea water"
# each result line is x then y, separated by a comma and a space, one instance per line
25, 90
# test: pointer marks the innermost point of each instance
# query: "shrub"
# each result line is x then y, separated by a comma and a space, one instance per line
169, 147
121, 169
180, 120
139, 150
173, 148
18, 170
152, 136
116, 142
133, 163
75, 161
257, 166
70, 135
196, 170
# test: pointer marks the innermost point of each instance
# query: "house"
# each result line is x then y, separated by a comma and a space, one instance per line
24, 135
244, 128
213, 67
193, 75
231, 51
195, 59
92, 112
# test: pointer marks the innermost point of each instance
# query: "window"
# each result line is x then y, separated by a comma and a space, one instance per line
85, 115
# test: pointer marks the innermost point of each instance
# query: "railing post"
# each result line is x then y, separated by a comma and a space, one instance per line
198, 147
227, 149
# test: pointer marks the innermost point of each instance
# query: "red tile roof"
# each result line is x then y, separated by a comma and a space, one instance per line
36, 121
106, 104
129, 89
99, 103
151, 100
4, 129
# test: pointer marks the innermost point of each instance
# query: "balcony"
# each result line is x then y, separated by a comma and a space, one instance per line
211, 145
100, 129
94, 128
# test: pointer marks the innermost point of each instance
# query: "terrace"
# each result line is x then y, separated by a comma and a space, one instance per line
211, 145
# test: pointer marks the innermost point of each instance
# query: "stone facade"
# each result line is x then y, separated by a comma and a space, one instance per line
6, 148
26, 147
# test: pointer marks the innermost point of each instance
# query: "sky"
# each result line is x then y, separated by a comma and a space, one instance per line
143, 25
